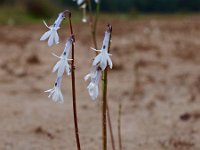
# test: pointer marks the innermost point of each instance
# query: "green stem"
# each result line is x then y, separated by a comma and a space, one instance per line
104, 102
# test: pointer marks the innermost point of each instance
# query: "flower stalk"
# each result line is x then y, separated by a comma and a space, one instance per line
94, 28
104, 98
94, 21
74, 85
119, 126
110, 128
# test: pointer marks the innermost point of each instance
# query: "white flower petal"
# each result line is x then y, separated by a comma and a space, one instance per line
46, 24
95, 49
48, 90
93, 90
56, 66
61, 96
56, 55
51, 38
87, 76
109, 62
61, 68
103, 62
56, 37
45, 35
68, 69
97, 59
50, 94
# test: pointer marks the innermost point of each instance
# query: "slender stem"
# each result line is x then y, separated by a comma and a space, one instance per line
104, 108
93, 32
110, 127
94, 29
74, 87
105, 105
93, 22
119, 126
90, 10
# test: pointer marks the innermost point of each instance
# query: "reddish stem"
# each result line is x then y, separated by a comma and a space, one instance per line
74, 84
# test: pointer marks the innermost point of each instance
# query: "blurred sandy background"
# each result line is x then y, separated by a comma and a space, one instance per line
156, 76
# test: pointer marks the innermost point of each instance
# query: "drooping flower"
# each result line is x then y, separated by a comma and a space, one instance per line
62, 65
93, 87
103, 58
52, 33
55, 93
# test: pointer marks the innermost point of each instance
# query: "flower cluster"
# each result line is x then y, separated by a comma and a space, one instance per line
61, 66
99, 64
101, 61
94, 75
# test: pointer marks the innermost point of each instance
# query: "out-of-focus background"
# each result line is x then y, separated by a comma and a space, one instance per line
15, 11
156, 75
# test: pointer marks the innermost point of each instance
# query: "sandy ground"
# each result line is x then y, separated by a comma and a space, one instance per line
156, 76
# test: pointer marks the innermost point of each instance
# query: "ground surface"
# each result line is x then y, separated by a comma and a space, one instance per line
156, 76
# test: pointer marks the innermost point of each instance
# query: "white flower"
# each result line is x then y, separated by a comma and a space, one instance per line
52, 33
93, 87
93, 90
62, 64
103, 58
55, 93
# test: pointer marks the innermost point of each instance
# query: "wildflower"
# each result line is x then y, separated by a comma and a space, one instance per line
52, 33
55, 93
93, 87
62, 64
103, 58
